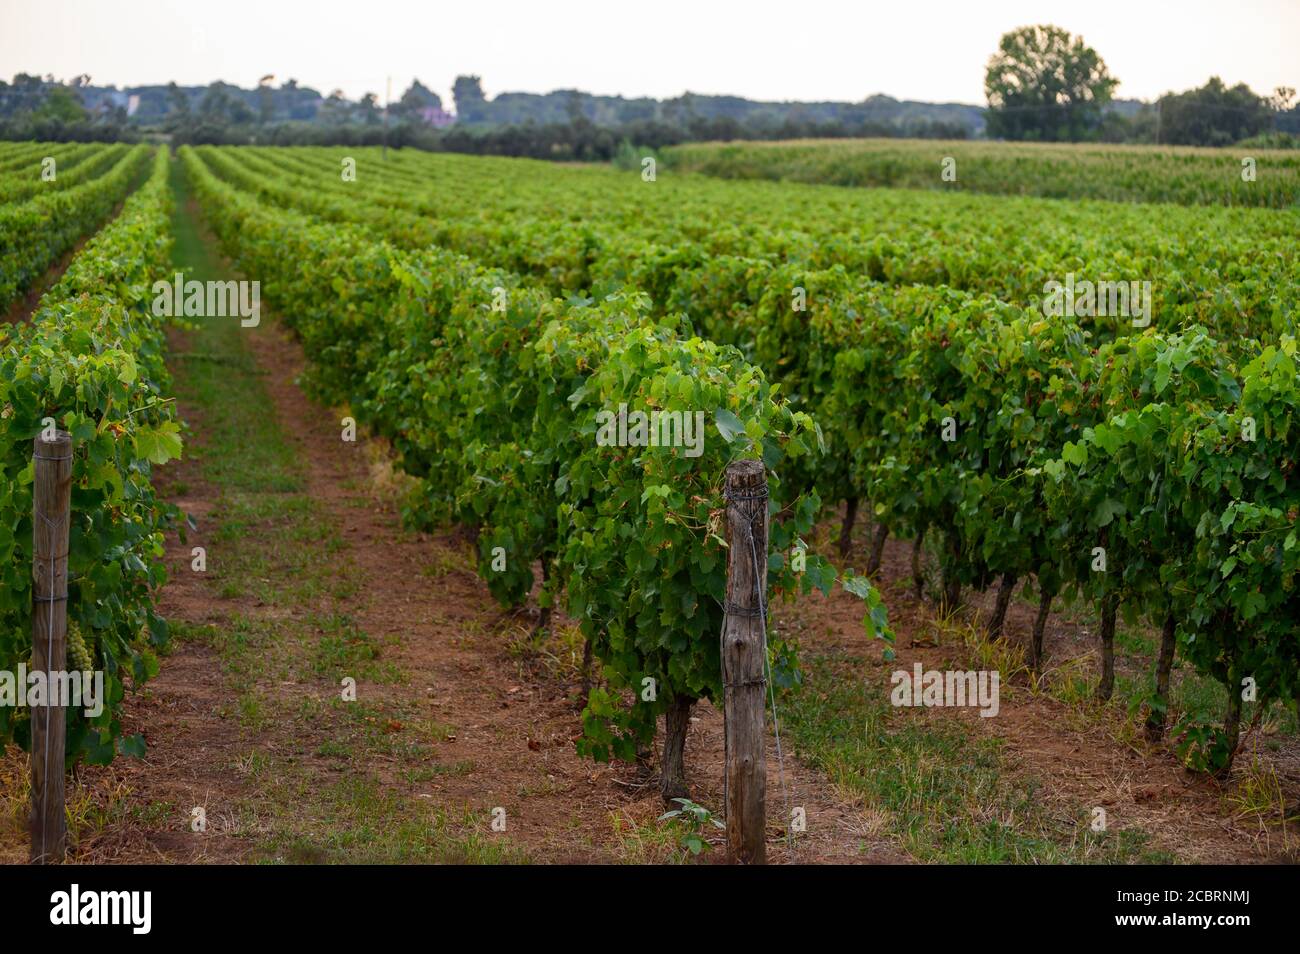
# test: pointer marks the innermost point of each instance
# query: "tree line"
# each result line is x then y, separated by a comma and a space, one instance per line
1043, 85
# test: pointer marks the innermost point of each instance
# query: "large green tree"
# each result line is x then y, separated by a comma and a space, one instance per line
63, 104
1215, 114
1044, 84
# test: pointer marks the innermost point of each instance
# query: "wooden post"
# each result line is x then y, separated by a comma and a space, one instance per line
51, 495
744, 644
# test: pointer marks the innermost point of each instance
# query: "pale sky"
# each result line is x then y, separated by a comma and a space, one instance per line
933, 50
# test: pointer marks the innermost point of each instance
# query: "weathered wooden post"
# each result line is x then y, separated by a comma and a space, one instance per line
744, 645
51, 497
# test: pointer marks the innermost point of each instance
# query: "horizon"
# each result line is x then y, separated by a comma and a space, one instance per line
762, 60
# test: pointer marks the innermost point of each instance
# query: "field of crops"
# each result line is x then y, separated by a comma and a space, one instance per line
1069, 434
1185, 175
90, 356
1085, 404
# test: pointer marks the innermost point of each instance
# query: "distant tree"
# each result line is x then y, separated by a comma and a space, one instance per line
335, 109
416, 98
266, 98
467, 92
215, 102
636, 110
23, 96
1139, 127
1286, 111
222, 103
1214, 115
368, 109
1043, 84
680, 110
238, 111
62, 104
178, 103
1286, 118
298, 102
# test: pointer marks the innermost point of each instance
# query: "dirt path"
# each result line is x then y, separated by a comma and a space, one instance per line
514, 717
1073, 752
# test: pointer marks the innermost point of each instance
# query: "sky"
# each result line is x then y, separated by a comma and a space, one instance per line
932, 50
